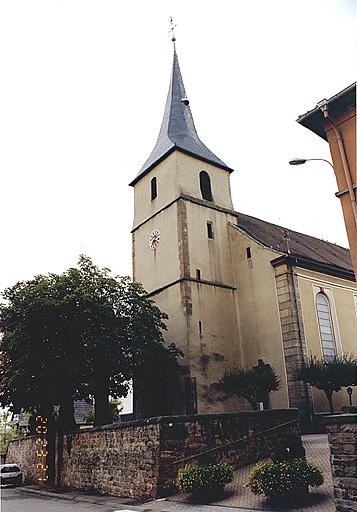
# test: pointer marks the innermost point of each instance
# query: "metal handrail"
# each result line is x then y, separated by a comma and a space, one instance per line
245, 438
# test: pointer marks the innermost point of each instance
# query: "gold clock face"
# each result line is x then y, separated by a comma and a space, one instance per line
154, 239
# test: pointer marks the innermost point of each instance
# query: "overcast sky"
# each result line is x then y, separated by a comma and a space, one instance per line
83, 89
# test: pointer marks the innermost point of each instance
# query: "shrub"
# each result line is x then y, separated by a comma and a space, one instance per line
284, 478
254, 384
195, 478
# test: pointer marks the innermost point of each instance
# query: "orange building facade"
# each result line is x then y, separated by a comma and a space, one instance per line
335, 121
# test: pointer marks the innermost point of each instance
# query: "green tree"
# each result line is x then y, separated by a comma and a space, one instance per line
329, 375
7, 431
253, 384
71, 335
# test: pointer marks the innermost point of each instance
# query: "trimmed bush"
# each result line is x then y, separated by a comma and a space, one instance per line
284, 478
201, 478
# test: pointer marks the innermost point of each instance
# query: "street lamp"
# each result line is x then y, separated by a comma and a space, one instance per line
349, 391
301, 161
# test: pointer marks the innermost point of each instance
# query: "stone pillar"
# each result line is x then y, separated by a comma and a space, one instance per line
342, 437
292, 331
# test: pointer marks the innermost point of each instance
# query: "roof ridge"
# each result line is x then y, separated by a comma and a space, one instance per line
294, 231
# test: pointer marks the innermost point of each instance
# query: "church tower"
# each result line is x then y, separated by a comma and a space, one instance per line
182, 251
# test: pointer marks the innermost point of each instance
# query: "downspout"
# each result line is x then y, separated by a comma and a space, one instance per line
324, 109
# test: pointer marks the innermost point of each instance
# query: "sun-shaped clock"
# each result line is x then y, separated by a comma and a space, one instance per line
154, 239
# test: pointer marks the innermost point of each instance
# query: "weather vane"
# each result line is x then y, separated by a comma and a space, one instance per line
172, 29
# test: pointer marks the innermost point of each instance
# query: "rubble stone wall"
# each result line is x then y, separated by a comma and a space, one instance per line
122, 461
342, 436
23, 452
137, 459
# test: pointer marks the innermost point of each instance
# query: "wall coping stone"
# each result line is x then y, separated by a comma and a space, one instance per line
162, 420
341, 418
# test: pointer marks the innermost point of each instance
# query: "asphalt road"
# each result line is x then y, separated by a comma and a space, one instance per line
13, 500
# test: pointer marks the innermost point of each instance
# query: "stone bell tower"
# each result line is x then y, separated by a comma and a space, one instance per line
182, 251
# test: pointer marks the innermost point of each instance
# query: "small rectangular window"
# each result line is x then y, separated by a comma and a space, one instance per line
210, 230
153, 189
198, 274
200, 327
249, 254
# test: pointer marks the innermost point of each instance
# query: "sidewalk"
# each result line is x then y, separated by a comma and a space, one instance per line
128, 505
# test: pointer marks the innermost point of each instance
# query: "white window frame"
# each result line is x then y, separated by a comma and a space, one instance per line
328, 292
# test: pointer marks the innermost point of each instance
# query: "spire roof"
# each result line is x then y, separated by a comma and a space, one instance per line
178, 129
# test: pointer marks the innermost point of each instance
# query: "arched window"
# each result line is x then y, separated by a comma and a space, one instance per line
153, 189
326, 328
205, 184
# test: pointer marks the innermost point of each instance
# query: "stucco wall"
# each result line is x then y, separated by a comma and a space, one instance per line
340, 294
258, 311
346, 124
178, 174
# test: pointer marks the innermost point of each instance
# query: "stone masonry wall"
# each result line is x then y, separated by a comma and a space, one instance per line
23, 452
137, 459
185, 436
342, 436
120, 461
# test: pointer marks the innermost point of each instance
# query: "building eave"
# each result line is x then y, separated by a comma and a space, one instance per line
325, 268
186, 152
339, 103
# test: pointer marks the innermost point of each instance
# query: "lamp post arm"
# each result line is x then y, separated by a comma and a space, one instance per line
322, 160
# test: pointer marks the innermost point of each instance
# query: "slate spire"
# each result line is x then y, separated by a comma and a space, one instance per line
178, 130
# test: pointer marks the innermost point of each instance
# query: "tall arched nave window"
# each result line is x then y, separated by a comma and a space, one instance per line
324, 318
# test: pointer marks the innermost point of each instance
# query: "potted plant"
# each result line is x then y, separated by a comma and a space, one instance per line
287, 473
205, 480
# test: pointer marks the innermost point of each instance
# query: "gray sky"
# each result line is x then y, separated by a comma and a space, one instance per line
83, 90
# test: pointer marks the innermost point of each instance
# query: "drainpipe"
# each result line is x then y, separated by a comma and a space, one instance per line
323, 105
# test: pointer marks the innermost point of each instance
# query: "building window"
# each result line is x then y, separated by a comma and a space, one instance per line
200, 327
249, 253
153, 189
326, 328
205, 185
198, 274
210, 230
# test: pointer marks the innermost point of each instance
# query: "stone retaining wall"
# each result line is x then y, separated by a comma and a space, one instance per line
23, 452
136, 459
342, 436
122, 461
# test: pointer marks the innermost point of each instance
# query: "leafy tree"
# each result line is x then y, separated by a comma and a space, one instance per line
254, 384
71, 335
156, 381
42, 363
329, 375
7, 431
